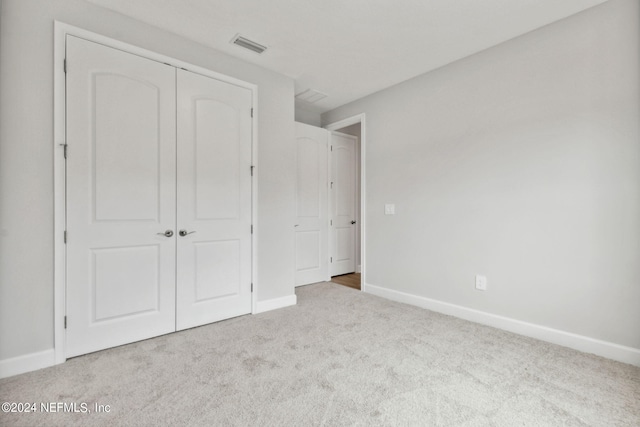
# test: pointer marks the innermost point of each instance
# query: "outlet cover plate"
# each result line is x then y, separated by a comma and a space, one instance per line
481, 283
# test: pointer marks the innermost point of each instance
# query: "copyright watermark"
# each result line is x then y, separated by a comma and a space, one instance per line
53, 407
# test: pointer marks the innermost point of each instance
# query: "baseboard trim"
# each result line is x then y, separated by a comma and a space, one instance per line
582, 343
358, 269
275, 303
28, 362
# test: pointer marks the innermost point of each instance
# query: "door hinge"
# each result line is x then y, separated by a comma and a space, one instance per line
65, 236
251, 228
65, 322
64, 147
332, 185
332, 148
252, 287
330, 222
252, 112
252, 170
64, 66
331, 259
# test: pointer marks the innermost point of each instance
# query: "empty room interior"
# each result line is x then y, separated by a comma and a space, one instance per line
320, 212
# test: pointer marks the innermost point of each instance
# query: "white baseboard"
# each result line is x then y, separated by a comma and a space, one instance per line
567, 339
358, 269
27, 363
275, 303
44, 359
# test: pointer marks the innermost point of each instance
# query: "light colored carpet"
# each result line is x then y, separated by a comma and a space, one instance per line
340, 357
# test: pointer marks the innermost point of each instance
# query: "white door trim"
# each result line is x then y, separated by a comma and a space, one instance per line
61, 30
359, 118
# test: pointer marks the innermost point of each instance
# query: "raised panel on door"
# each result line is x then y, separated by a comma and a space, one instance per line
343, 204
120, 195
311, 228
214, 200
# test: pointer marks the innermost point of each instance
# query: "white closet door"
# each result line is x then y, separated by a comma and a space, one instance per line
120, 197
312, 211
214, 200
343, 203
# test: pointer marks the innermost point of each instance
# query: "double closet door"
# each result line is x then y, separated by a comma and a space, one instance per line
158, 198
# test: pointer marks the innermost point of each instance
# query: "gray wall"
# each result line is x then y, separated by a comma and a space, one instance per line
308, 117
26, 159
522, 163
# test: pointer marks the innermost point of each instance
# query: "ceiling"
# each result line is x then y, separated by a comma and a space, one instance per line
348, 49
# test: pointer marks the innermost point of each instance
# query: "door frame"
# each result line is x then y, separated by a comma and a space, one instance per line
334, 126
357, 268
61, 30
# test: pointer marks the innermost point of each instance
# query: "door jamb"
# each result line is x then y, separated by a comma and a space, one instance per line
61, 30
334, 126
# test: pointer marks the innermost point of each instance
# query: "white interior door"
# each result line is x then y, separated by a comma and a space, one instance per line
343, 204
214, 200
120, 197
312, 223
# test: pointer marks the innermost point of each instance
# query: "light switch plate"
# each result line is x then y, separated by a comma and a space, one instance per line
389, 209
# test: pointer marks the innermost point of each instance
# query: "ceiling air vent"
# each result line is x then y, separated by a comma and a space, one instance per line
248, 44
311, 96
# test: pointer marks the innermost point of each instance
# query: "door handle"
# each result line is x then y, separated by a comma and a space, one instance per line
183, 233
353, 222
167, 233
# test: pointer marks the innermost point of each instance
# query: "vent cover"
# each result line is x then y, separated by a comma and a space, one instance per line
248, 44
311, 96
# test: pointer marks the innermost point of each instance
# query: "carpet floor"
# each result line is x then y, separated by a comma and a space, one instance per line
339, 357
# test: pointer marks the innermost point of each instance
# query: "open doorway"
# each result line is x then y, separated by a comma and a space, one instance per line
346, 234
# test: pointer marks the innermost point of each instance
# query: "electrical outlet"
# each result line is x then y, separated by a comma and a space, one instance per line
481, 283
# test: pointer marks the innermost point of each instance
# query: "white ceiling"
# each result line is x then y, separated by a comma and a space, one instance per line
350, 48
